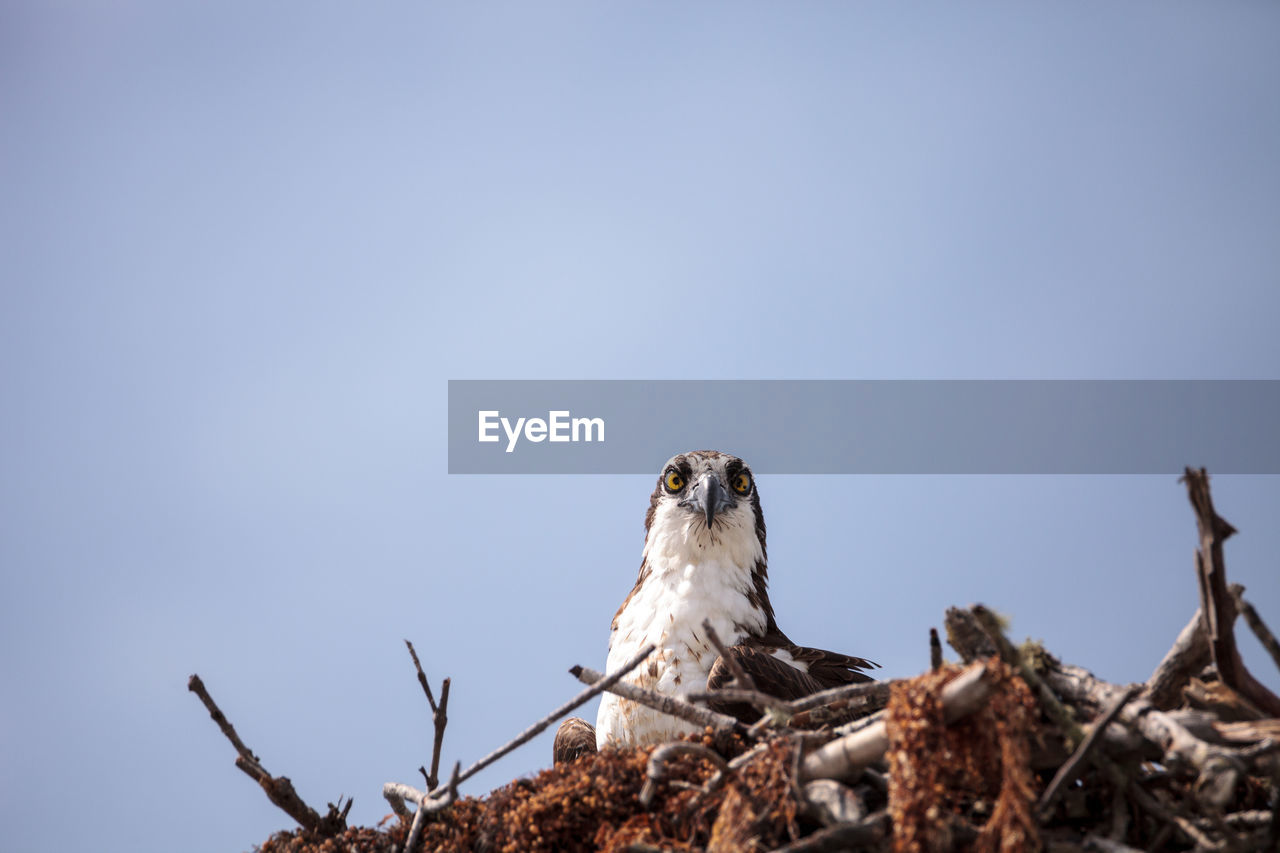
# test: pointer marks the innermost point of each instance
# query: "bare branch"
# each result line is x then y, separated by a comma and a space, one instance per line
1216, 604
600, 686
427, 804
750, 696
439, 716
196, 686
1189, 655
279, 789
395, 794
439, 719
1220, 768
669, 705
422, 676
1254, 621
1068, 772
877, 690
740, 677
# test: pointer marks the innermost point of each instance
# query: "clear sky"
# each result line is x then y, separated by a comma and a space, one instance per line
244, 246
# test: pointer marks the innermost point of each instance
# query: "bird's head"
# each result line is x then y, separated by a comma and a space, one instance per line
707, 501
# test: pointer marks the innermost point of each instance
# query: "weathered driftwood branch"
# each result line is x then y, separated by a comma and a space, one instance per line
396, 795
1220, 768
965, 635
749, 696
439, 717
720, 723
1217, 606
1255, 623
877, 690
846, 756
277, 788
427, 804
1188, 656
839, 704
655, 770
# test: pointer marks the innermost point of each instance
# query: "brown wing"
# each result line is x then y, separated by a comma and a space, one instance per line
832, 669
779, 678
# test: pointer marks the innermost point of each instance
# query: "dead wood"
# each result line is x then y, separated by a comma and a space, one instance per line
740, 677
720, 723
1255, 623
1189, 655
439, 718
1217, 606
277, 788
1070, 771
600, 686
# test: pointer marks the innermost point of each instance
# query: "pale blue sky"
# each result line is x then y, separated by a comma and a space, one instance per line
244, 247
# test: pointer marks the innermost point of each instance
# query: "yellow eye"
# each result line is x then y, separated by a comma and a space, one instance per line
742, 483
674, 481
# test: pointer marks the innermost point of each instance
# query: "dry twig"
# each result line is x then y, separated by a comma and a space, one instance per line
277, 788
1069, 771
600, 686
1255, 623
740, 677
439, 716
721, 723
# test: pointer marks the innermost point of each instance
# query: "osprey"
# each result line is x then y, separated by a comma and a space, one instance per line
704, 558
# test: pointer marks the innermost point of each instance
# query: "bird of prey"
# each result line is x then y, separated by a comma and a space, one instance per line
704, 558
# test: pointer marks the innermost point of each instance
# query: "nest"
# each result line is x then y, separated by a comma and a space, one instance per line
1009, 750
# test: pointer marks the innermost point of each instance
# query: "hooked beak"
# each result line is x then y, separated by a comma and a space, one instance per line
708, 497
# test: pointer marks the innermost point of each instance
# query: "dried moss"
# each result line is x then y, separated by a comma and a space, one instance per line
942, 777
